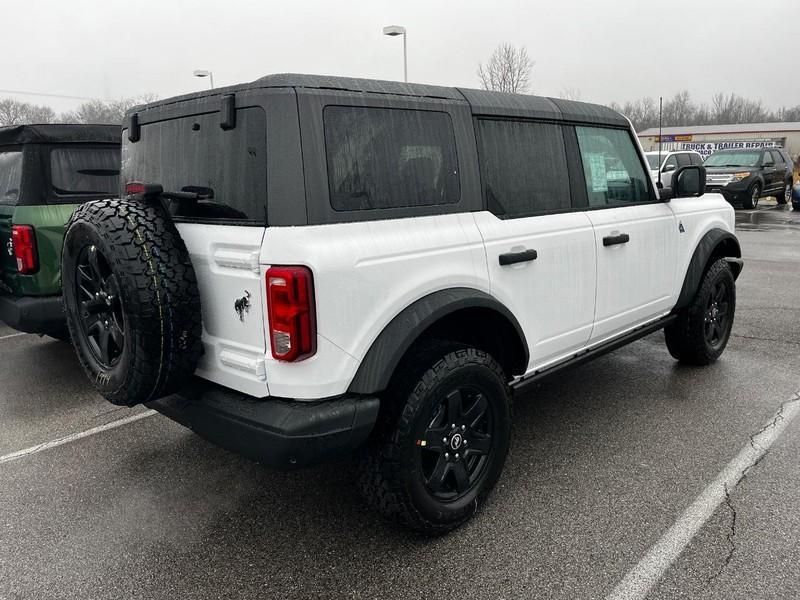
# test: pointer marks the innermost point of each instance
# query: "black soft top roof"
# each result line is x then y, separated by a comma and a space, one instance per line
15, 135
482, 102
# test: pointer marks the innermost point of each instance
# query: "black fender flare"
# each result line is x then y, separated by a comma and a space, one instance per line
404, 329
715, 243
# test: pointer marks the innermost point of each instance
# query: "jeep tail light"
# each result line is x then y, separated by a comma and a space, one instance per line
23, 238
291, 311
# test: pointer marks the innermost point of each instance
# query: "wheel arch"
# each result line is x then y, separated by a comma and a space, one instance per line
715, 244
459, 314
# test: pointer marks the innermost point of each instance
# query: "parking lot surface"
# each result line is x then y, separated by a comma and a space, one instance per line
603, 461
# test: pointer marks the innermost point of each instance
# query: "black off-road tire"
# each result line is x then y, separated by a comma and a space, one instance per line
686, 337
157, 300
390, 472
750, 200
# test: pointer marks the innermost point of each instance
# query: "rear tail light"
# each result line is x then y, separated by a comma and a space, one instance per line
23, 238
291, 310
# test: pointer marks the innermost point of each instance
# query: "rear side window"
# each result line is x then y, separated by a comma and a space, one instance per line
776, 156
523, 167
195, 154
612, 169
684, 160
382, 158
696, 159
76, 170
10, 177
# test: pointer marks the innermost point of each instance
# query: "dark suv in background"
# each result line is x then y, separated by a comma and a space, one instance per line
745, 175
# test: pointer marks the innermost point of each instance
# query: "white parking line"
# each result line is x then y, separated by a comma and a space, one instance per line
641, 579
11, 335
75, 436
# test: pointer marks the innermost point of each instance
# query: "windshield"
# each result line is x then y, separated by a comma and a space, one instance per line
652, 160
10, 176
85, 170
733, 159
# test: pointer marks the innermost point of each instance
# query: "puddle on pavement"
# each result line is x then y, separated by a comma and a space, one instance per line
778, 217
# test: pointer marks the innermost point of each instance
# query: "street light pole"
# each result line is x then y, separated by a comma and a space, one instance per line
394, 30
205, 73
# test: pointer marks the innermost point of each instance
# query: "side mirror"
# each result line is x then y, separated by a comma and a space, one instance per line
668, 168
689, 182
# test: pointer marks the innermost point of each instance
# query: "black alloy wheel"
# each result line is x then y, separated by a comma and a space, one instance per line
716, 320
457, 444
101, 317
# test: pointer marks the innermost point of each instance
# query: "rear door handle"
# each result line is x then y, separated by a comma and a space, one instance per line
613, 240
511, 258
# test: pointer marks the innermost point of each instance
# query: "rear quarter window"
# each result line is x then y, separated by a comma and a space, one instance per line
194, 152
10, 176
381, 158
76, 171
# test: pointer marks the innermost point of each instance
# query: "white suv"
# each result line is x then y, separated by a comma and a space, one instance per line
663, 164
302, 266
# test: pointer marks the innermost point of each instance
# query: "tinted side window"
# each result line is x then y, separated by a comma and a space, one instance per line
612, 168
696, 159
523, 167
195, 152
389, 158
684, 160
10, 177
776, 156
767, 159
77, 170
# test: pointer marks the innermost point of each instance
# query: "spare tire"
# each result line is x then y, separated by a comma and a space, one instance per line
131, 299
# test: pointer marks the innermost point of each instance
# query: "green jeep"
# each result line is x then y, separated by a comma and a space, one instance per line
46, 172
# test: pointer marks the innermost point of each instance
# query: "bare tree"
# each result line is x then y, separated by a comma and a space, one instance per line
15, 112
104, 111
508, 70
570, 93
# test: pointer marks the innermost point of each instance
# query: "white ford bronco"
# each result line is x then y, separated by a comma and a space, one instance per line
303, 266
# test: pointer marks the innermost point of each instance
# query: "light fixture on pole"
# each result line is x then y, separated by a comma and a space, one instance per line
393, 30
205, 73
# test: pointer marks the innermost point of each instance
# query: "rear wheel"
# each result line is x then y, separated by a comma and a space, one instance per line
752, 197
442, 443
700, 333
131, 300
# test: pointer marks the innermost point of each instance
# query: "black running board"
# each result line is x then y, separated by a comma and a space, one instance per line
592, 353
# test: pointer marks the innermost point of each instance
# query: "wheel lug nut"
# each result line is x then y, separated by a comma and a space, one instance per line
465, 442
447, 456
453, 425
444, 440
463, 427
456, 455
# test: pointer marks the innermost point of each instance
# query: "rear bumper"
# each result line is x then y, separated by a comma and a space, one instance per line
280, 433
32, 314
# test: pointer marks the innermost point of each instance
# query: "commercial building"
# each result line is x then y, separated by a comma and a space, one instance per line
707, 139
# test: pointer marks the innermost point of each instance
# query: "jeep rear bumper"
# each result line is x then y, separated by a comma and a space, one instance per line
280, 433
32, 314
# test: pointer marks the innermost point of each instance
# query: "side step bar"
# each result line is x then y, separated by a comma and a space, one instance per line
585, 356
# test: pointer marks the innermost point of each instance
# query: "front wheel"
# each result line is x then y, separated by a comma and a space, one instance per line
443, 440
785, 196
700, 333
751, 199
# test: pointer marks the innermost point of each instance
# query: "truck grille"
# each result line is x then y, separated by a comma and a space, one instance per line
718, 179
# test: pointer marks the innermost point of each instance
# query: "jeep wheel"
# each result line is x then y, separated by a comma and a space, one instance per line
441, 446
700, 333
753, 194
131, 300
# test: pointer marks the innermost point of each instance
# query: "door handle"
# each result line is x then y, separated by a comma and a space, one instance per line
613, 240
511, 258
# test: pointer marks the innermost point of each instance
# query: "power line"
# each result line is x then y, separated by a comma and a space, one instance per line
47, 95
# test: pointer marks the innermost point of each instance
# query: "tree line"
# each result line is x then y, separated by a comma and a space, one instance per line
111, 112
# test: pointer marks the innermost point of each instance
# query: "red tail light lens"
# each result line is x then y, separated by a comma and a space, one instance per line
137, 188
291, 310
23, 238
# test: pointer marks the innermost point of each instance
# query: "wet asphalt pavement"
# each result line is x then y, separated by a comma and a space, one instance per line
602, 463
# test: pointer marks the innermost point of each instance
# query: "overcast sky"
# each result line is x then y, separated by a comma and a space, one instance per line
608, 50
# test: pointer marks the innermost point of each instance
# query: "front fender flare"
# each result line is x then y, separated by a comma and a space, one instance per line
715, 243
382, 358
